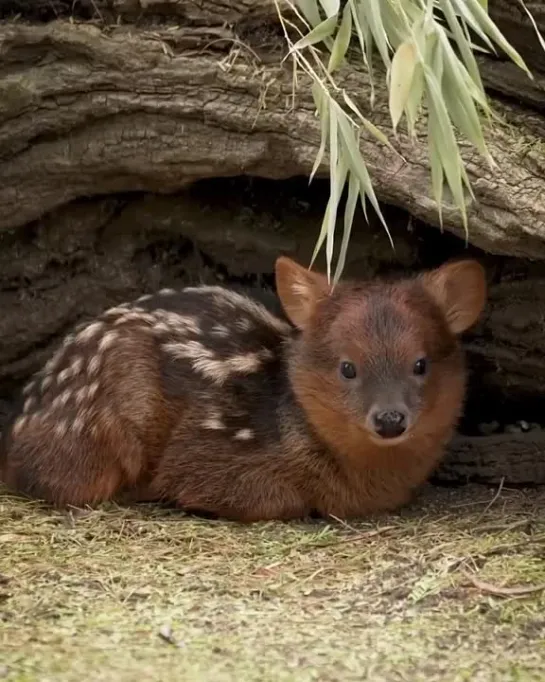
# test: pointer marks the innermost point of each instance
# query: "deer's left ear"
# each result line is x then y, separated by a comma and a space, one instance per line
460, 290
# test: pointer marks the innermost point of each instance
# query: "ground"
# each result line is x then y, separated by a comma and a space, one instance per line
121, 594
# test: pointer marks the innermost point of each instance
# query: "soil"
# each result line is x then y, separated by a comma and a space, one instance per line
451, 588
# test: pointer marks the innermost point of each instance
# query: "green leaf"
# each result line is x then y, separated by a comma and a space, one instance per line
436, 171
436, 61
460, 105
310, 11
356, 164
442, 133
494, 32
463, 44
338, 172
401, 80
463, 10
323, 112
371, 127
342, 40
331, 7
318, 34
349, 211
373, 18
359, 32
366, 42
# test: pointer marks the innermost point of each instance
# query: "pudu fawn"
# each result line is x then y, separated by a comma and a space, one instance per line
209, 399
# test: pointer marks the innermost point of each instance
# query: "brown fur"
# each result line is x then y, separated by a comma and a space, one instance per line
213, 401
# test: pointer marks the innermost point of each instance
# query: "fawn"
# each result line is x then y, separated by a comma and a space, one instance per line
341, 405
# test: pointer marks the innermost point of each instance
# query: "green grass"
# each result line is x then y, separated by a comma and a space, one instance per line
146, 593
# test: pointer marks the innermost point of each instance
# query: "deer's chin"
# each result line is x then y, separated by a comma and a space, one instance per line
389, 442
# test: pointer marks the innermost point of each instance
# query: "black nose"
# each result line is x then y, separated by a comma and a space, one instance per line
390, 423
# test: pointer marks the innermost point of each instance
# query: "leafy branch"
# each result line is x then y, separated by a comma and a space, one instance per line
429, 57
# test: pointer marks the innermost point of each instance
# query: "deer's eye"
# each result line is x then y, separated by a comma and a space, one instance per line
348, 370
420, 367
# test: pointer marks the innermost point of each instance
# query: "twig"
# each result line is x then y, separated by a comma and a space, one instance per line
498, 493
358, 534
500, 591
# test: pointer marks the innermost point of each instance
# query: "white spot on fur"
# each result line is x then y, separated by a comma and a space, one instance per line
92, 330
213, 424
204, 361
180, 324
61, 428
29, 388
19, 425
52, 363
246, 364
93, 388
185, 323
243, 324
78, 424
107, 340
72, 370
220, 330
135, 316
65, 374
115, 312
81, 395
94, 365
167, 292
161, 328
145, 297
47, 382
237, 302
213, 420
29, 403
244, 434
62, 399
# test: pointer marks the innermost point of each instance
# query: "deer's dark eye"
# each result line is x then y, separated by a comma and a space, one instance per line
420, 367
348, 370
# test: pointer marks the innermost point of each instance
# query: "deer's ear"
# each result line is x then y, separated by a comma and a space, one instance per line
299, 290
460, 290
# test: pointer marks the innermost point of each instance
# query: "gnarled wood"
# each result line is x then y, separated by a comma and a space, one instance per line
518, 459
101, 113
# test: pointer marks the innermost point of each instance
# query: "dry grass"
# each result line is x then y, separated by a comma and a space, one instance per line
144, 593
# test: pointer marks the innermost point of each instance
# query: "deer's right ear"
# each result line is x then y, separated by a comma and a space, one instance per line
459, 287
299, 290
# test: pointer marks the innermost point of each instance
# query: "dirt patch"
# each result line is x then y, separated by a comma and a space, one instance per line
146, 592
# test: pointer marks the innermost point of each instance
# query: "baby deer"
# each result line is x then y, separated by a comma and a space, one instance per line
208, 398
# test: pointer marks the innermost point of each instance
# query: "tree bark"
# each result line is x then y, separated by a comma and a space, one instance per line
102, 99
85, 111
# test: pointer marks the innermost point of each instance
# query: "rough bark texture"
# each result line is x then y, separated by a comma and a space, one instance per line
85, 111
516, 459
105, 105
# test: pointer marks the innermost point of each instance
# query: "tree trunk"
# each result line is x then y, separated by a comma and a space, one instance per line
107, 104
